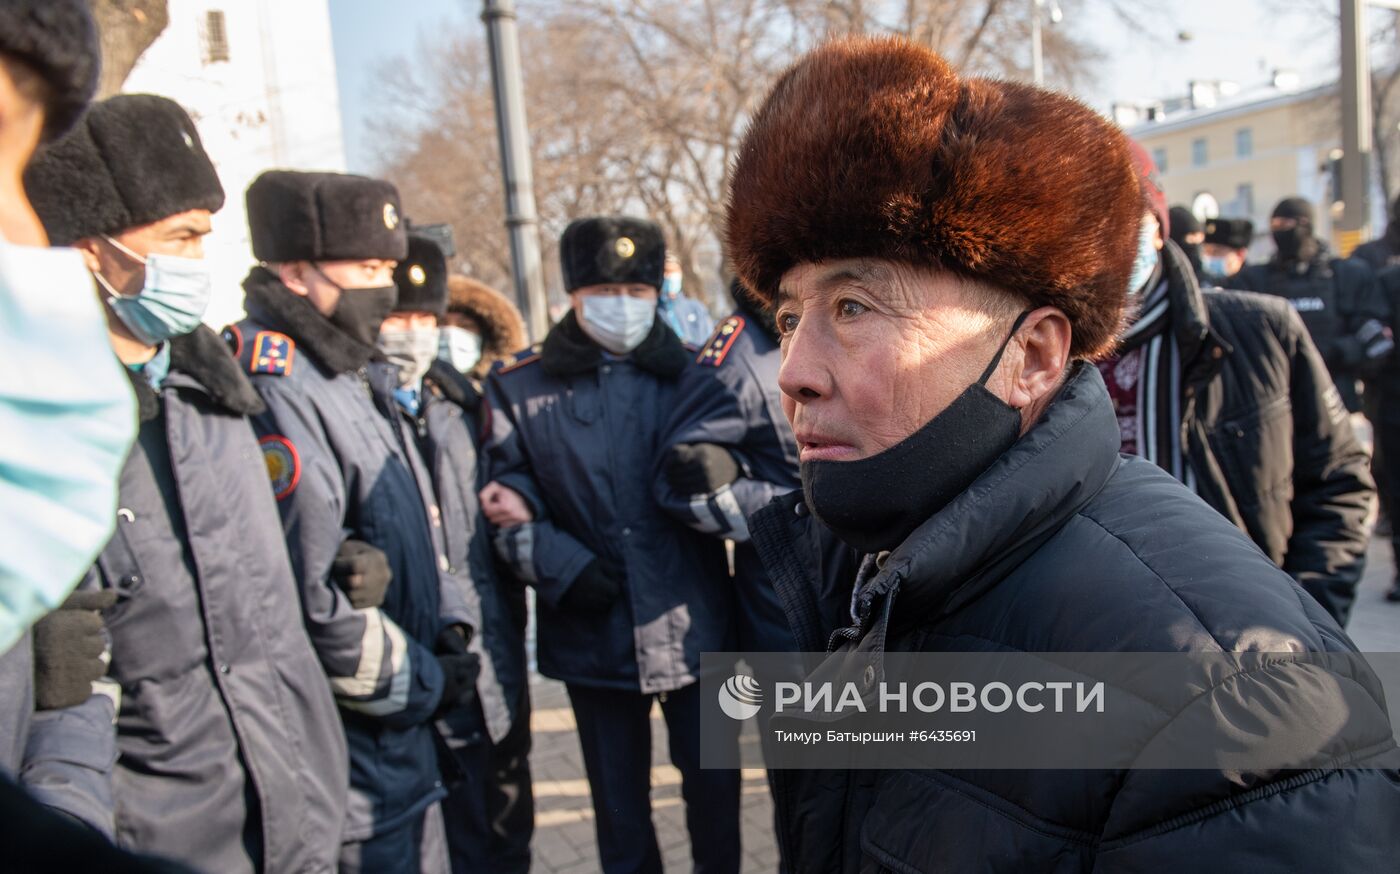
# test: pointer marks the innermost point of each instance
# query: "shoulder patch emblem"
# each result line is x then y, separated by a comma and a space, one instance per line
283, 464
234, 338
721, 341
273, 353
520, 359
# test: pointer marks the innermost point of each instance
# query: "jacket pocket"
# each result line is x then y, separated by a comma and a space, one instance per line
1256, 450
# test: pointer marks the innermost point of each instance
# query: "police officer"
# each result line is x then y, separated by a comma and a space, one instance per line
230, 754
436, 409
1226, 248
328, 243
1384, 251
1187, 233
683, 314
1337, 299
627, 598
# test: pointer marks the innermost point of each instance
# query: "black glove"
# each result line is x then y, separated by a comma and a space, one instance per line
68, 647
460, 669
700, 468
362, 572
593, 592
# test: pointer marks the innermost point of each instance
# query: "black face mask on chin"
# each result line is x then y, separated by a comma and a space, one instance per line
360, 311
874, 504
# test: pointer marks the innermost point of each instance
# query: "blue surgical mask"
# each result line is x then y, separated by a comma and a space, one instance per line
671, 286
618, 323
1147, 257
172, 302
459, 347
69, 418
1214, 265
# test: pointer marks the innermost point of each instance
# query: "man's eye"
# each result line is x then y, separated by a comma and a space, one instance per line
787, 323
850, 308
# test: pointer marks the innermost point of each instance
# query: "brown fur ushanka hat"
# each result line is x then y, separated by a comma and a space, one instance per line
876, 148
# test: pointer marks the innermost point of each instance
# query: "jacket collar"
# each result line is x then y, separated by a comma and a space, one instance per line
200, 360
568, 351
276, 306
1027, 495
757, 315
444, 380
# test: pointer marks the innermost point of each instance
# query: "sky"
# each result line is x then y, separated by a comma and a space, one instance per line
1238, 40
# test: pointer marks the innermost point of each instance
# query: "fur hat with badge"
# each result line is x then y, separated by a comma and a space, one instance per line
296, 216
1231, 233
607, 250
876, 148
422, 277
132, 160
57, 40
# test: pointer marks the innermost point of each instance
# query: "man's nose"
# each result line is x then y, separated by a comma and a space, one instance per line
805, 373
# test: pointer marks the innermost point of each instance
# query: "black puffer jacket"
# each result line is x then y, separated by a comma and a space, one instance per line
1268, 437
1062, 545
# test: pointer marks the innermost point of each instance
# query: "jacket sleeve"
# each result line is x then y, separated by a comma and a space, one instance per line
712, 409
69, 754
539, 552
1332, 485
374, 668
1366, 341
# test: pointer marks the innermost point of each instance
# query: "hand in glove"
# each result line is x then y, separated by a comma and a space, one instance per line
593, 592
700, 468
68, 648
460, 669
362, 572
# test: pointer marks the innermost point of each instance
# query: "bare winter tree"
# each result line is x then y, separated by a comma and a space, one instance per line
125, 29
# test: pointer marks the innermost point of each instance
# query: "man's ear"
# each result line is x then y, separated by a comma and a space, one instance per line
1045, 340
87, 247
293, 275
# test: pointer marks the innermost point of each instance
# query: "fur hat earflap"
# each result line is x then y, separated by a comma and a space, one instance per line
875, 148
502, 328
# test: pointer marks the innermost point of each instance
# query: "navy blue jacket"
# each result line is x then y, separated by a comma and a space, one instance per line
575, 432
339, 472
729, 397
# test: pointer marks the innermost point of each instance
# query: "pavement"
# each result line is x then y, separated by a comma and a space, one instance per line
564, 841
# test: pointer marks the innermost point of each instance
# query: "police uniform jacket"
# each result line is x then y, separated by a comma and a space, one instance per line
575, 431
231, 756
339, 472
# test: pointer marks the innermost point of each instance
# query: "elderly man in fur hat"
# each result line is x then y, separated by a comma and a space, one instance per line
945, 257
230, 752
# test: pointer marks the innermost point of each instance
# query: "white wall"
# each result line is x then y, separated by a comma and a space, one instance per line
274, 103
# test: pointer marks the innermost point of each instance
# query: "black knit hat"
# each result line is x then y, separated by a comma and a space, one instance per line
132, 160
297, 216
57, 39
1230, 233
1294, 208
612, 249
1183, 223
422, 278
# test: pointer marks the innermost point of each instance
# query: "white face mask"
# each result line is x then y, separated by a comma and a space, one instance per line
618, 323
460, 348
68, 418
413, 351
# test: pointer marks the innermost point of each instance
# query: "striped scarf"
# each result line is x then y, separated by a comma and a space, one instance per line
1159, 386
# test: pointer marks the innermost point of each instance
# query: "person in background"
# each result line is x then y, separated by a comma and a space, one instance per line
1226, 248
1384, 251
684, 314
627, 598
437, 409
225, 731
1188, 235
481, 327
390, 644
1226, 392
1383, 408
1337, 298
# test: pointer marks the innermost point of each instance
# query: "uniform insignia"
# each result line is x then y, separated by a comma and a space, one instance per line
417, 275
625, 247
721, 341
391, 216
520, 359
272, 353
283, 464
234, 338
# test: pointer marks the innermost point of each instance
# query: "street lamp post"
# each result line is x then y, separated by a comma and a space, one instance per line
1357, 142
1038, 35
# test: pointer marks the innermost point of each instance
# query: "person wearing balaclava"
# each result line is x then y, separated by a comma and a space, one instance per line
1384, 251
626, 597
223, 726
436, 411
1192, 375
391, 635
1344, 310
1187, 233
940, 296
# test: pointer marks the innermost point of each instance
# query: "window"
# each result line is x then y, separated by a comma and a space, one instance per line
1159, 157
215, 37
1244, 199
1199, 156
1244, 142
